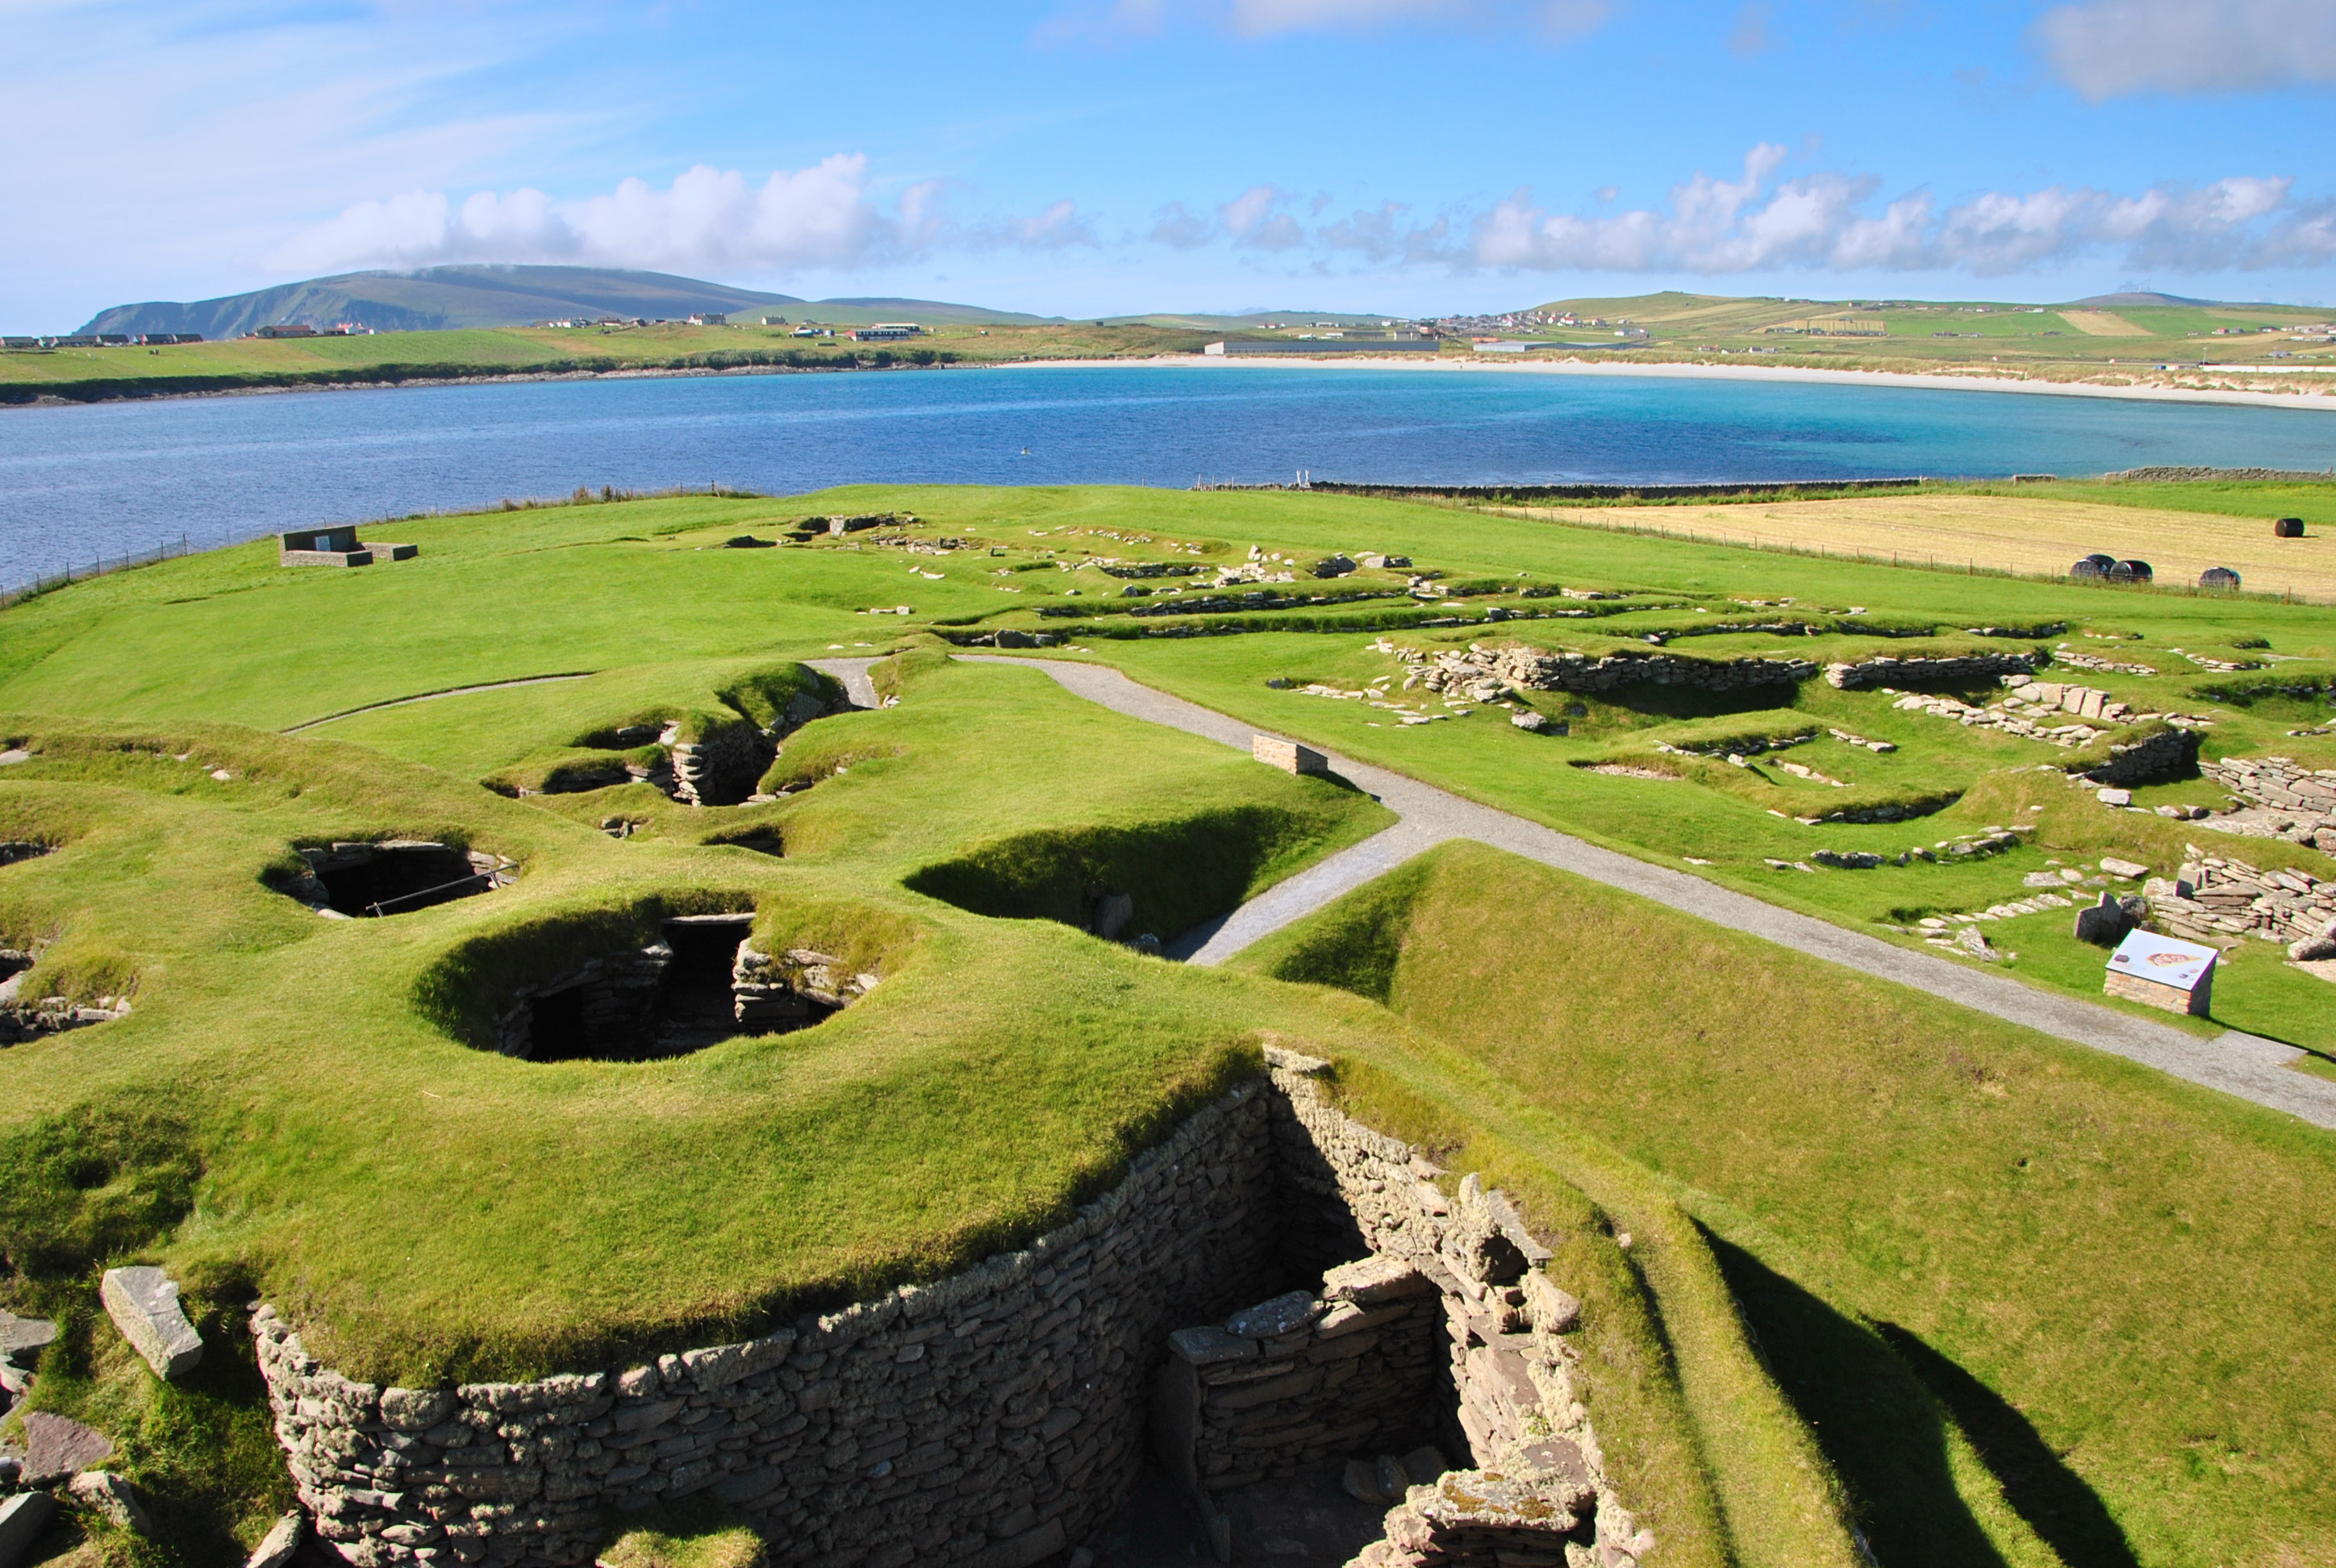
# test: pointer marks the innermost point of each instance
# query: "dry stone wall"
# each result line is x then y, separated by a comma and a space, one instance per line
990, 1420
2297, 804
1884, 669
1483, 674
1534, 1491
1308, 1376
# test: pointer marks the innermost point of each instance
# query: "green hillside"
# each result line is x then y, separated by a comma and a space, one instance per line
440, 298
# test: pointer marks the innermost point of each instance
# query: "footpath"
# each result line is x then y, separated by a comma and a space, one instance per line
2237, 1064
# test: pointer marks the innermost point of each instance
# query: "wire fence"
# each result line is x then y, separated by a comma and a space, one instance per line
102, 565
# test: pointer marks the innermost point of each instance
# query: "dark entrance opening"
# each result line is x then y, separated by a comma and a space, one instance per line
398, 877
681, 994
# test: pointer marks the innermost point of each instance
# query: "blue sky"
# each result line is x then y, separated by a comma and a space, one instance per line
1081, 157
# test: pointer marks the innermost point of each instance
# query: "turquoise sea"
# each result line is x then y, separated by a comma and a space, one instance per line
81, 483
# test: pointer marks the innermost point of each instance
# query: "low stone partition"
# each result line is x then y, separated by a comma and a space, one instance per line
2163, 754
1306, 1377
2277, 781
1886, 669
1481, 674
988, 1421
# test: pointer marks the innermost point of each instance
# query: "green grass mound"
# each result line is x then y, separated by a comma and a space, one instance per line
1177, 873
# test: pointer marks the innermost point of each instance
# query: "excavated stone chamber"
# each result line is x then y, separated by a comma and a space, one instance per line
998, 1418
364, 879
700, 983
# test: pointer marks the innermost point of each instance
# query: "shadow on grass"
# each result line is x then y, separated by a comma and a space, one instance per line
1880, 1401
2053, 1499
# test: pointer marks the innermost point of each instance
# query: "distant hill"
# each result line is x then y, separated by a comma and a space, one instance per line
434, 299
2112, 301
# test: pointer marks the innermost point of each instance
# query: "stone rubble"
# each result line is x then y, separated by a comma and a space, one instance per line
2065, 655
1483, 674
2302, 802
2214, 898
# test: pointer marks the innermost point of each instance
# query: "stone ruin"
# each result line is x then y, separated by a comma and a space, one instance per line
722, 767
365, 879
24, 1017
998, 1418
700, 983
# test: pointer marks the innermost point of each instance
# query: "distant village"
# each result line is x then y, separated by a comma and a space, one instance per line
881, 332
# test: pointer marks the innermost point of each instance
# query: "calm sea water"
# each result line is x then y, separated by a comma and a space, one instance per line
76, 483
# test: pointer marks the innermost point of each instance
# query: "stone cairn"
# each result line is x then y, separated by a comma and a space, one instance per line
2214, 898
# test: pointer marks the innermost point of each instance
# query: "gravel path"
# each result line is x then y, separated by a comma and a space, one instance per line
2252, 1069
854, 674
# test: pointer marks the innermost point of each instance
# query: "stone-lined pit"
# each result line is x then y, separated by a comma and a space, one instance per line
997, 1418
700, 983
367, 879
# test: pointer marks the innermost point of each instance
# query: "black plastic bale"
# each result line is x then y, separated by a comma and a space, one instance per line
2288, 527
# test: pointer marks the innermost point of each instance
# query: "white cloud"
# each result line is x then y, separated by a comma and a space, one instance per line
2109, 48
708, 221
1824, 221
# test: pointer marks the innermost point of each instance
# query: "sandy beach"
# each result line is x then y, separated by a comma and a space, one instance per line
2324, 401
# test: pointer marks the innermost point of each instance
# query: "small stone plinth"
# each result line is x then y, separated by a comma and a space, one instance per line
2177, 977
1287, 756
144, 1305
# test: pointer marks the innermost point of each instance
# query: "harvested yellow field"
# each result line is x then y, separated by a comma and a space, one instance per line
2006, 532
2103, 324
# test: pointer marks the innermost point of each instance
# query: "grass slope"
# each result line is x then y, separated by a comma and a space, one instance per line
1957, 1240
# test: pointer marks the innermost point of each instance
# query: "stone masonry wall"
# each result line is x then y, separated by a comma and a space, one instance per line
988, 1421
1883, 669
1306, 1377
1535, 1492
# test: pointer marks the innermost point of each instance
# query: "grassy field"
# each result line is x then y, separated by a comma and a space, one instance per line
2046, 340
243, 363
293, 1111
2039, 533
1956, 1241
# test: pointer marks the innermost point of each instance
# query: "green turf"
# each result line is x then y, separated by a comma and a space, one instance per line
1959, 1241
293, 1111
